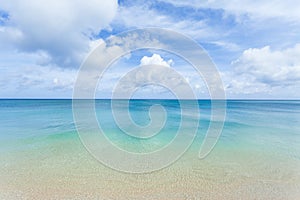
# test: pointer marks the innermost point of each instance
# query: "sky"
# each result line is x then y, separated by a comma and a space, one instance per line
255, 45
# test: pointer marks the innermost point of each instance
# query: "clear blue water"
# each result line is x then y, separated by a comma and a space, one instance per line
259, 146
273, 123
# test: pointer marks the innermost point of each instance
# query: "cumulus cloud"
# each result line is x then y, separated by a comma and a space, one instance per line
271, 67
62, 29
39, 37
264, 70
144, 76
155, 59
146, 81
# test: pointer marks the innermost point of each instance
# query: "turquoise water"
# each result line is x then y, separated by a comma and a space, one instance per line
257, 123
260, 142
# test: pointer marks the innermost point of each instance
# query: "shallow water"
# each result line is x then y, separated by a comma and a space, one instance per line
257, 156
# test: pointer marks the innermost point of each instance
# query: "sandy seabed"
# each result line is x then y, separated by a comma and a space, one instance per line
73, 174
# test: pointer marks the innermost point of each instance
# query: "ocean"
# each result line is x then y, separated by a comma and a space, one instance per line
256, 157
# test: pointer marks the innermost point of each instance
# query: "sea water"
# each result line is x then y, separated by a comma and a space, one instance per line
257, 155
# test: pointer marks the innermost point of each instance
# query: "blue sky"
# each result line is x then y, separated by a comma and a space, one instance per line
254, 44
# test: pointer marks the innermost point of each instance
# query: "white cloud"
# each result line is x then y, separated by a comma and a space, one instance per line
271, 67
226, 45
9, 36
288, 9
36, 81
186, 76
155, 59
60, 33
142, 76
60, 28
265, 70
141, 16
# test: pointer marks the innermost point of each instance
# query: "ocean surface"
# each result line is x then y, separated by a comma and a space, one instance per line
257, 155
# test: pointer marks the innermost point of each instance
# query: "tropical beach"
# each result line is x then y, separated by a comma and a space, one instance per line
149, 99
257, 156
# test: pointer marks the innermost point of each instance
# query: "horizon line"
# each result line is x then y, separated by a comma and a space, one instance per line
230, 99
